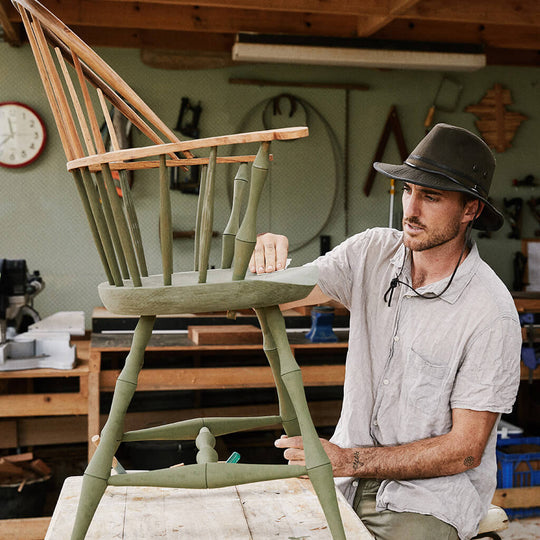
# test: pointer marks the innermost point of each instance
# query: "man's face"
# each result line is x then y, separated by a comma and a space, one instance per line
431, 217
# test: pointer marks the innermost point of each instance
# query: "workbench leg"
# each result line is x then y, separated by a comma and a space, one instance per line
318, 465
98, 471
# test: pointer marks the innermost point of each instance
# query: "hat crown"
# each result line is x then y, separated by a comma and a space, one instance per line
457, 154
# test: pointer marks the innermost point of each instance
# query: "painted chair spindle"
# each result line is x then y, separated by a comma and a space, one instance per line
111, 225
247, 233
104, 234
241, 180
207, 216
77, 176
198, 217
133, 222
165, 222
123, 228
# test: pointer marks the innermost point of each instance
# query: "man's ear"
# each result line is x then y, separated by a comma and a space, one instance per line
473, 209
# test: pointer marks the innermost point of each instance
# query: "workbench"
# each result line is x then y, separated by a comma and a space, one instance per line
286, 508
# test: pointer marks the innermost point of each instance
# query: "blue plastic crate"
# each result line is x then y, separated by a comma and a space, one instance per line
518, 461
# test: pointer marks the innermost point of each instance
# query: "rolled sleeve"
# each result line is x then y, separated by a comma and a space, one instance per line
488, 378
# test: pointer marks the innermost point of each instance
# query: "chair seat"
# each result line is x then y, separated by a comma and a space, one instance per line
219, 293
495, 520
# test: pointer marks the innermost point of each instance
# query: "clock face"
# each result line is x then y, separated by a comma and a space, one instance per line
22, 135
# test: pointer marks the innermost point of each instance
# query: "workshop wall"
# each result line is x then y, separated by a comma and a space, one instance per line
42, 221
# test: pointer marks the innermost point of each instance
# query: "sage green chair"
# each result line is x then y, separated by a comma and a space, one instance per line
78, 83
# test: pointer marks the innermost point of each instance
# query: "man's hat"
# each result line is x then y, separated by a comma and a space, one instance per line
451, 158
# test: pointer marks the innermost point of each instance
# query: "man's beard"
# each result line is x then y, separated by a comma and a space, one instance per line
433, 239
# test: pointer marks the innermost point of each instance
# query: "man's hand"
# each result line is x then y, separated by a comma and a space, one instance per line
340, 458
270, 253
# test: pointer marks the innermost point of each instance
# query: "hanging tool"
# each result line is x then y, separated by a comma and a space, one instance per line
392, 125
513, 211
446, 99
188, 125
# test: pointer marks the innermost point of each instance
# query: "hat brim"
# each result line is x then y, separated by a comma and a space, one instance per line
489, 220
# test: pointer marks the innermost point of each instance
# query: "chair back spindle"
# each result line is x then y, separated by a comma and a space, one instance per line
247, 233
207, 216
229, 233
198, 217
165, 221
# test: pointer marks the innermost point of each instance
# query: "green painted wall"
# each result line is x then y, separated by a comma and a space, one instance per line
42, 221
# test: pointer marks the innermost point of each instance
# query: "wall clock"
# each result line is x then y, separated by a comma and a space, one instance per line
22, 134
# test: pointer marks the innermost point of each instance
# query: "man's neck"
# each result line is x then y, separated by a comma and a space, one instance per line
432, 265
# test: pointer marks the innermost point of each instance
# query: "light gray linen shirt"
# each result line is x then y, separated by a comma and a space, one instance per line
409, 364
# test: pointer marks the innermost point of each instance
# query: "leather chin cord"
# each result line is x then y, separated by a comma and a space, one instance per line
396, 281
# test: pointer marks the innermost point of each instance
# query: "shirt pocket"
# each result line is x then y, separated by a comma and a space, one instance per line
426, 381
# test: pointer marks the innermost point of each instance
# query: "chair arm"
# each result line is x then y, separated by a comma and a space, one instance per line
170, 148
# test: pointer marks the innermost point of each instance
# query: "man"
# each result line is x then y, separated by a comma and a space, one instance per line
434, 348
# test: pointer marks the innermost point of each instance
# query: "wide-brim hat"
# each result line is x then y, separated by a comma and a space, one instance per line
451, 158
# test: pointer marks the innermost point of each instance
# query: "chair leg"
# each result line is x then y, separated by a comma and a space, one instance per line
98, 471
287, 412
317, 463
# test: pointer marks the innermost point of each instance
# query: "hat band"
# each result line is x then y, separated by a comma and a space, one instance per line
464, 180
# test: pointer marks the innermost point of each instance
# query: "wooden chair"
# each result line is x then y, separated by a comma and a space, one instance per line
75, 78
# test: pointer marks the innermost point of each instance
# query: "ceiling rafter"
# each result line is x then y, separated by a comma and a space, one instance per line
368, 25
500, 25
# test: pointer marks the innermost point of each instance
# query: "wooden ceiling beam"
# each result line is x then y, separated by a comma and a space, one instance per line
370, 24
503, 12
338, 7
498, 36
194, 19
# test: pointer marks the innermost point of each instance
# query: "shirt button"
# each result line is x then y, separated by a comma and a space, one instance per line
375, 423
355, 483
396, 338
386, 381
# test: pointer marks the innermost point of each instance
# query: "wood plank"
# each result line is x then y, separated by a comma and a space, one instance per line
345, 7
295, 506
221, 378
225, 334
29, 528
193, 18
255, 512
16, 405
81, 369
526, 12
524, 497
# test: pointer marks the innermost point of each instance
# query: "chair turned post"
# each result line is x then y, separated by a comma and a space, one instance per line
207, 216
229, 234
247, 234
165, 222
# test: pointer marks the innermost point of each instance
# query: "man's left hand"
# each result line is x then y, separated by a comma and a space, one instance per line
294, 454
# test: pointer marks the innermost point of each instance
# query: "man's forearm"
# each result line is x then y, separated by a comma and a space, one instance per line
427, 458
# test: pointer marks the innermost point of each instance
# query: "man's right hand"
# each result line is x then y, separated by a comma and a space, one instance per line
270, 253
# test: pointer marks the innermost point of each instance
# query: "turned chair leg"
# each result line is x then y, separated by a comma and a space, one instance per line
98, 471
318, 465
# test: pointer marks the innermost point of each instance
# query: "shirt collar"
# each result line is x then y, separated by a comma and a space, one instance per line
465, 272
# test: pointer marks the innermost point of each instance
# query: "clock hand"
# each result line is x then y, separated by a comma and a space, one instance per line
11, 133
5, 139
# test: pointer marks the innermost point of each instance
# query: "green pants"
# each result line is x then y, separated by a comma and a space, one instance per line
390, 525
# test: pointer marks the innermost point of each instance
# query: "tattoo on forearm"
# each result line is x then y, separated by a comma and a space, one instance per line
468, 462
356, 461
